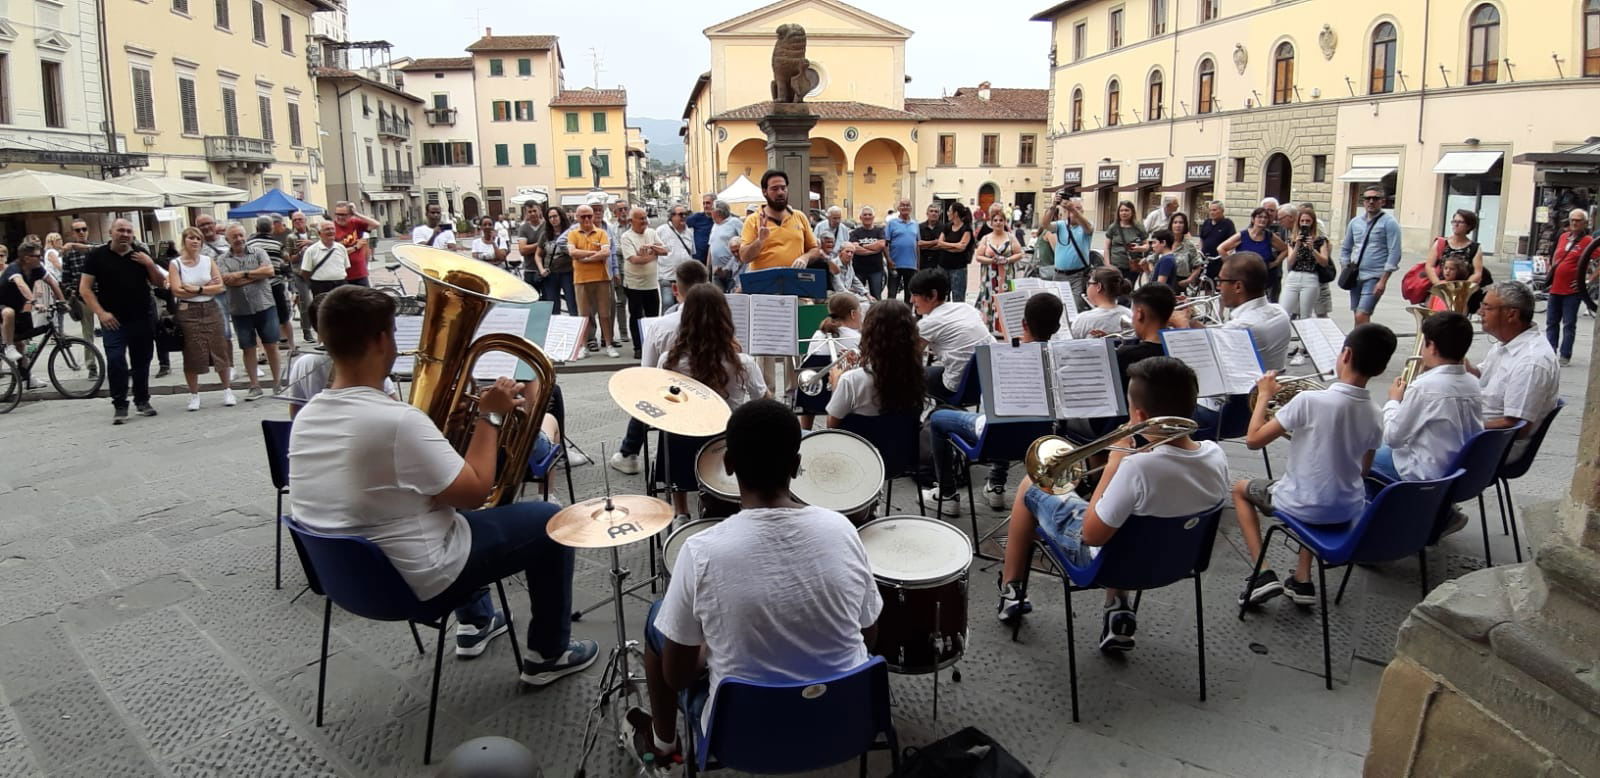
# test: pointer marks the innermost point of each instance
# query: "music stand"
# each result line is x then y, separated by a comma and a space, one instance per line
797, 281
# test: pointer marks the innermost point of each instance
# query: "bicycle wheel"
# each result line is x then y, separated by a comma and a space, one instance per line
10, 385
76, 368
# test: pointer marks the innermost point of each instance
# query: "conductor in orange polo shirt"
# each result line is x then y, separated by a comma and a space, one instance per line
591, 250
778, 236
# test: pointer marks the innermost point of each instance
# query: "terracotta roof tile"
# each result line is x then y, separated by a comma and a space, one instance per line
823, 110
514, 43
440, 63
341, 73
1003, 104
596, 97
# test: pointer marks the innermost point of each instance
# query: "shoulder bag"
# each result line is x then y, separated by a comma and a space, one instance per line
1350, 275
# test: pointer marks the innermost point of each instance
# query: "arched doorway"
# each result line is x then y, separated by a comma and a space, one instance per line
1277, 178
881, 166
987, 194
747, 158
469, 208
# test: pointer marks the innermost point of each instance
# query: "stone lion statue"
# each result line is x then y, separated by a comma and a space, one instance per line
790, 81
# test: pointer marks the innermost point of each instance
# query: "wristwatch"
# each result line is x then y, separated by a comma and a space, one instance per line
493, 419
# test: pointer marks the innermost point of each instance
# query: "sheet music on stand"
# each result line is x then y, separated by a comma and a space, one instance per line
766, 324
563, 338
1322, 340
499, 319
1012, 304
407, 336
1058, 380
1225, 361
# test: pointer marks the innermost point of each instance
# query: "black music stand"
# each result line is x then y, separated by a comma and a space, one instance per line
796, 281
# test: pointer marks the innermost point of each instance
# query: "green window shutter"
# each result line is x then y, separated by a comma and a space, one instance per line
572, 122
497, 67
599, 121
574, 166
502, 154
524, 67
530, 154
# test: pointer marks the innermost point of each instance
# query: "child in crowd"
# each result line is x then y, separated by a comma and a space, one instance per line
1336, 430
1166, 271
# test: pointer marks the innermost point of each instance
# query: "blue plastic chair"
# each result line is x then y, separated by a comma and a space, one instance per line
1147, 552
355, 573
539, 470
1233, 423
1000, 441
275, 434
1516, 465
1481, 458
1397, 523
968, 391
792, 727
895, 437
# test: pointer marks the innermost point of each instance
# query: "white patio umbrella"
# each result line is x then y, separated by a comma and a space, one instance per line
181, 191
37, 191
741, 191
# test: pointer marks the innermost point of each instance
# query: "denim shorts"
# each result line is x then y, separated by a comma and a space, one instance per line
1060, 516
262, 325
1362, 297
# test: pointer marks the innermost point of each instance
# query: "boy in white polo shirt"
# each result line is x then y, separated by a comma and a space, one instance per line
1335, 433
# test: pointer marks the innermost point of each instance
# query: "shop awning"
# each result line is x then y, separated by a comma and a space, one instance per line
1370, 168
38, 191
1467, 163
1100, 187
182, 191
379, 197
1187, 185
947, 195
1138, 185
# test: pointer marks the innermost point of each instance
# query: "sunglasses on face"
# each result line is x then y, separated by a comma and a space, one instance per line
1373, 199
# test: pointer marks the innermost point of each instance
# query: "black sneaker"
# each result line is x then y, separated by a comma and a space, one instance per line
1263, 587
165, 371
119, 415
1013, 603
1301, 593
1116, 635
578, 656
471, 640
144, 409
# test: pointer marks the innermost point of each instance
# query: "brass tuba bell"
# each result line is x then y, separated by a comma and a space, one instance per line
460, 293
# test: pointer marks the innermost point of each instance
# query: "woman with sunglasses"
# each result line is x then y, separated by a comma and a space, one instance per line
997, 250
555, 258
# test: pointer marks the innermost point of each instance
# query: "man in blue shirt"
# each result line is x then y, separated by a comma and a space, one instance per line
1372, 241
902, 236
701, 223
1069, 231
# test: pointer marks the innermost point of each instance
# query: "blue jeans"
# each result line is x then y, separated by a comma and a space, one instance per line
260, 326
934, 378
1061, 517
958, 283
693, 700
874, 283
1561, 322
128, 349
633, 439
944, 423
506, 540
1383, 464
556, 286
1363, 297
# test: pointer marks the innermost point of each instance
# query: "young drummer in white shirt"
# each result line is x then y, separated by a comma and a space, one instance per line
1192, 478
1335, 433
1426, 424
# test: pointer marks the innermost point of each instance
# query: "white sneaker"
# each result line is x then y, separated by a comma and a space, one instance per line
1298, 359
194, 402
581, 354
995, 495
228, 399
948, 506
34, 383
611, 351
261, 372
625, 465
12, 353
577, 458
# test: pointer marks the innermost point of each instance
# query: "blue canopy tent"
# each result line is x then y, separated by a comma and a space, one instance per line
274, 201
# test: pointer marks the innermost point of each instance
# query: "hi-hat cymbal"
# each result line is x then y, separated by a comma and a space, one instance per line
670, 401
589, 525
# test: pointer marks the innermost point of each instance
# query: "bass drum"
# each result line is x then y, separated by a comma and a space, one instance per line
719, 489
921, 567
675, 541
840, 471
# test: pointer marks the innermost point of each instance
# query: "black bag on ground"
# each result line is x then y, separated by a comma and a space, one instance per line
966, 754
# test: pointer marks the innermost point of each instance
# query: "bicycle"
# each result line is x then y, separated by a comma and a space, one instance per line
76, 368
12, 384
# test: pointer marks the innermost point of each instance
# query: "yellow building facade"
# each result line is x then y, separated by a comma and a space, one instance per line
872, 145
1313, 100
588, 126
219, 91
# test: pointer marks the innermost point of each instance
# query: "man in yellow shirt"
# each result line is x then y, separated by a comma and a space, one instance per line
591, 250
777, 236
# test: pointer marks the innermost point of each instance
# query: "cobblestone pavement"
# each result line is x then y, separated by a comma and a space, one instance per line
140, 633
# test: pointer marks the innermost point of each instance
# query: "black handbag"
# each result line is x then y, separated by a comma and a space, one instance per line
1326, 273
966, 754
1350, 275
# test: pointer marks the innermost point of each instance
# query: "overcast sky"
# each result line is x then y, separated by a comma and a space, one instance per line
656, 48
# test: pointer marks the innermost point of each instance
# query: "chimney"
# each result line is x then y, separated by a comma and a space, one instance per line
488, 32
983, 91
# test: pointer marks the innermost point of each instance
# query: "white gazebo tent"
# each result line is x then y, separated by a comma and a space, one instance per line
182, 191
38, 191
741, 191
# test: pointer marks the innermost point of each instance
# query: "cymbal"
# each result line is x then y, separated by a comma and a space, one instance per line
589, 525
670, 401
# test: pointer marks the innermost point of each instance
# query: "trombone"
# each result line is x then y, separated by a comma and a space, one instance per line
1287, 389
813, 380
1208, 305
1057, 466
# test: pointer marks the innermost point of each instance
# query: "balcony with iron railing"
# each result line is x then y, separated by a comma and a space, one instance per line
398, 179
441, 117
394, 126
237, 149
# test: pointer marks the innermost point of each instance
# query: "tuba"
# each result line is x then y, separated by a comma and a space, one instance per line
1455, 295
1057, 466
460, 292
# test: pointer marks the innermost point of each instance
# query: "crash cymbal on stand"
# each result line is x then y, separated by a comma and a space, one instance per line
670, 401
589, 524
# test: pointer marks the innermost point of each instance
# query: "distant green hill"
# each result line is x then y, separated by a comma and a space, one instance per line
665, 144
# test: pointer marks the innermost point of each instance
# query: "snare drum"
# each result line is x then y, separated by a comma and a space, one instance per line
839, 471
669, 552
921, 567
719, 489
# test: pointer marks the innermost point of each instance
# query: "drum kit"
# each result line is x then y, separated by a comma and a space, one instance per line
920, 564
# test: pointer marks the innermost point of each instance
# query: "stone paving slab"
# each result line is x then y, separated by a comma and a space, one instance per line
140, 632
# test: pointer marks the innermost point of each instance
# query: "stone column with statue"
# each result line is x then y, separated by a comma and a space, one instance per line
788, 125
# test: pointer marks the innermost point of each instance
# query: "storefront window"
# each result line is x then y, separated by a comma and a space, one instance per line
1481, 195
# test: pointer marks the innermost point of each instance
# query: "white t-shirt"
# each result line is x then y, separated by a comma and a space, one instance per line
680, 248
365, 464
855, 392
309, 374
1269, 325
634, 275
483, 250
1108, 320
1166, 481
1441, 410
747, 383
1333, 430
953, 331
198, 275
331, 270
773, 594
1520, 378
422, 232
659, 337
